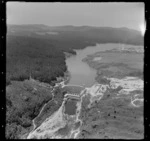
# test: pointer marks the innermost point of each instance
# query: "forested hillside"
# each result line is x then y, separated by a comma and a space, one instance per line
38, 58
24, 100
41, 57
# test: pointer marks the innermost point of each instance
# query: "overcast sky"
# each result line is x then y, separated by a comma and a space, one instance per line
129, 15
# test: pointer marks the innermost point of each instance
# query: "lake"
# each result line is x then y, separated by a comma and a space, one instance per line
81, 73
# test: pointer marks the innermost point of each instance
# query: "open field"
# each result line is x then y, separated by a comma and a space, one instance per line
117, 63
116, 115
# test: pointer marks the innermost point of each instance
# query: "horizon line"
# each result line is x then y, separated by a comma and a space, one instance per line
73, 26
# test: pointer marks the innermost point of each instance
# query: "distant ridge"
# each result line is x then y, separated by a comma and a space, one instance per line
69, 26
69, 33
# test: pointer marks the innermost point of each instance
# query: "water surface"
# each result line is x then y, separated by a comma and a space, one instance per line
81, 73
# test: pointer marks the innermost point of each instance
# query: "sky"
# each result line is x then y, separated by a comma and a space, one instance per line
130, 15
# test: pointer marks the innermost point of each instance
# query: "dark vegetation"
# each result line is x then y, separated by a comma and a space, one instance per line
52, 106
81, 34
38, 58
102, 80
137, 73
41, 57
24, 101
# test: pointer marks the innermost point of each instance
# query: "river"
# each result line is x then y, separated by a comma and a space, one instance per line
81, 73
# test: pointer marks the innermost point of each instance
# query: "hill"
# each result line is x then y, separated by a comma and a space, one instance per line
37, 51
42, 57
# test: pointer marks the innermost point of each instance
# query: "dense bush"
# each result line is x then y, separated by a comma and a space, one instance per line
42, 58
35, 57
137, 74
23, 104
52, 106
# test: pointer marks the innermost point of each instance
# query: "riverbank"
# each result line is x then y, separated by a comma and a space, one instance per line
92, 95
24, 101
42, 58
117, 62
89, 99
31, 98
96, 94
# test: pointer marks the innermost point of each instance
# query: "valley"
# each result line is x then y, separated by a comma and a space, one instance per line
102, 110
103, 83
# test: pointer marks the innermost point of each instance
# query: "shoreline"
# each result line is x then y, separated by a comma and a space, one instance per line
62, 82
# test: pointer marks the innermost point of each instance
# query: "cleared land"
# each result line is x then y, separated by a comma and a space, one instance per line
116, 115
41, 56
117, 63
101, 113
